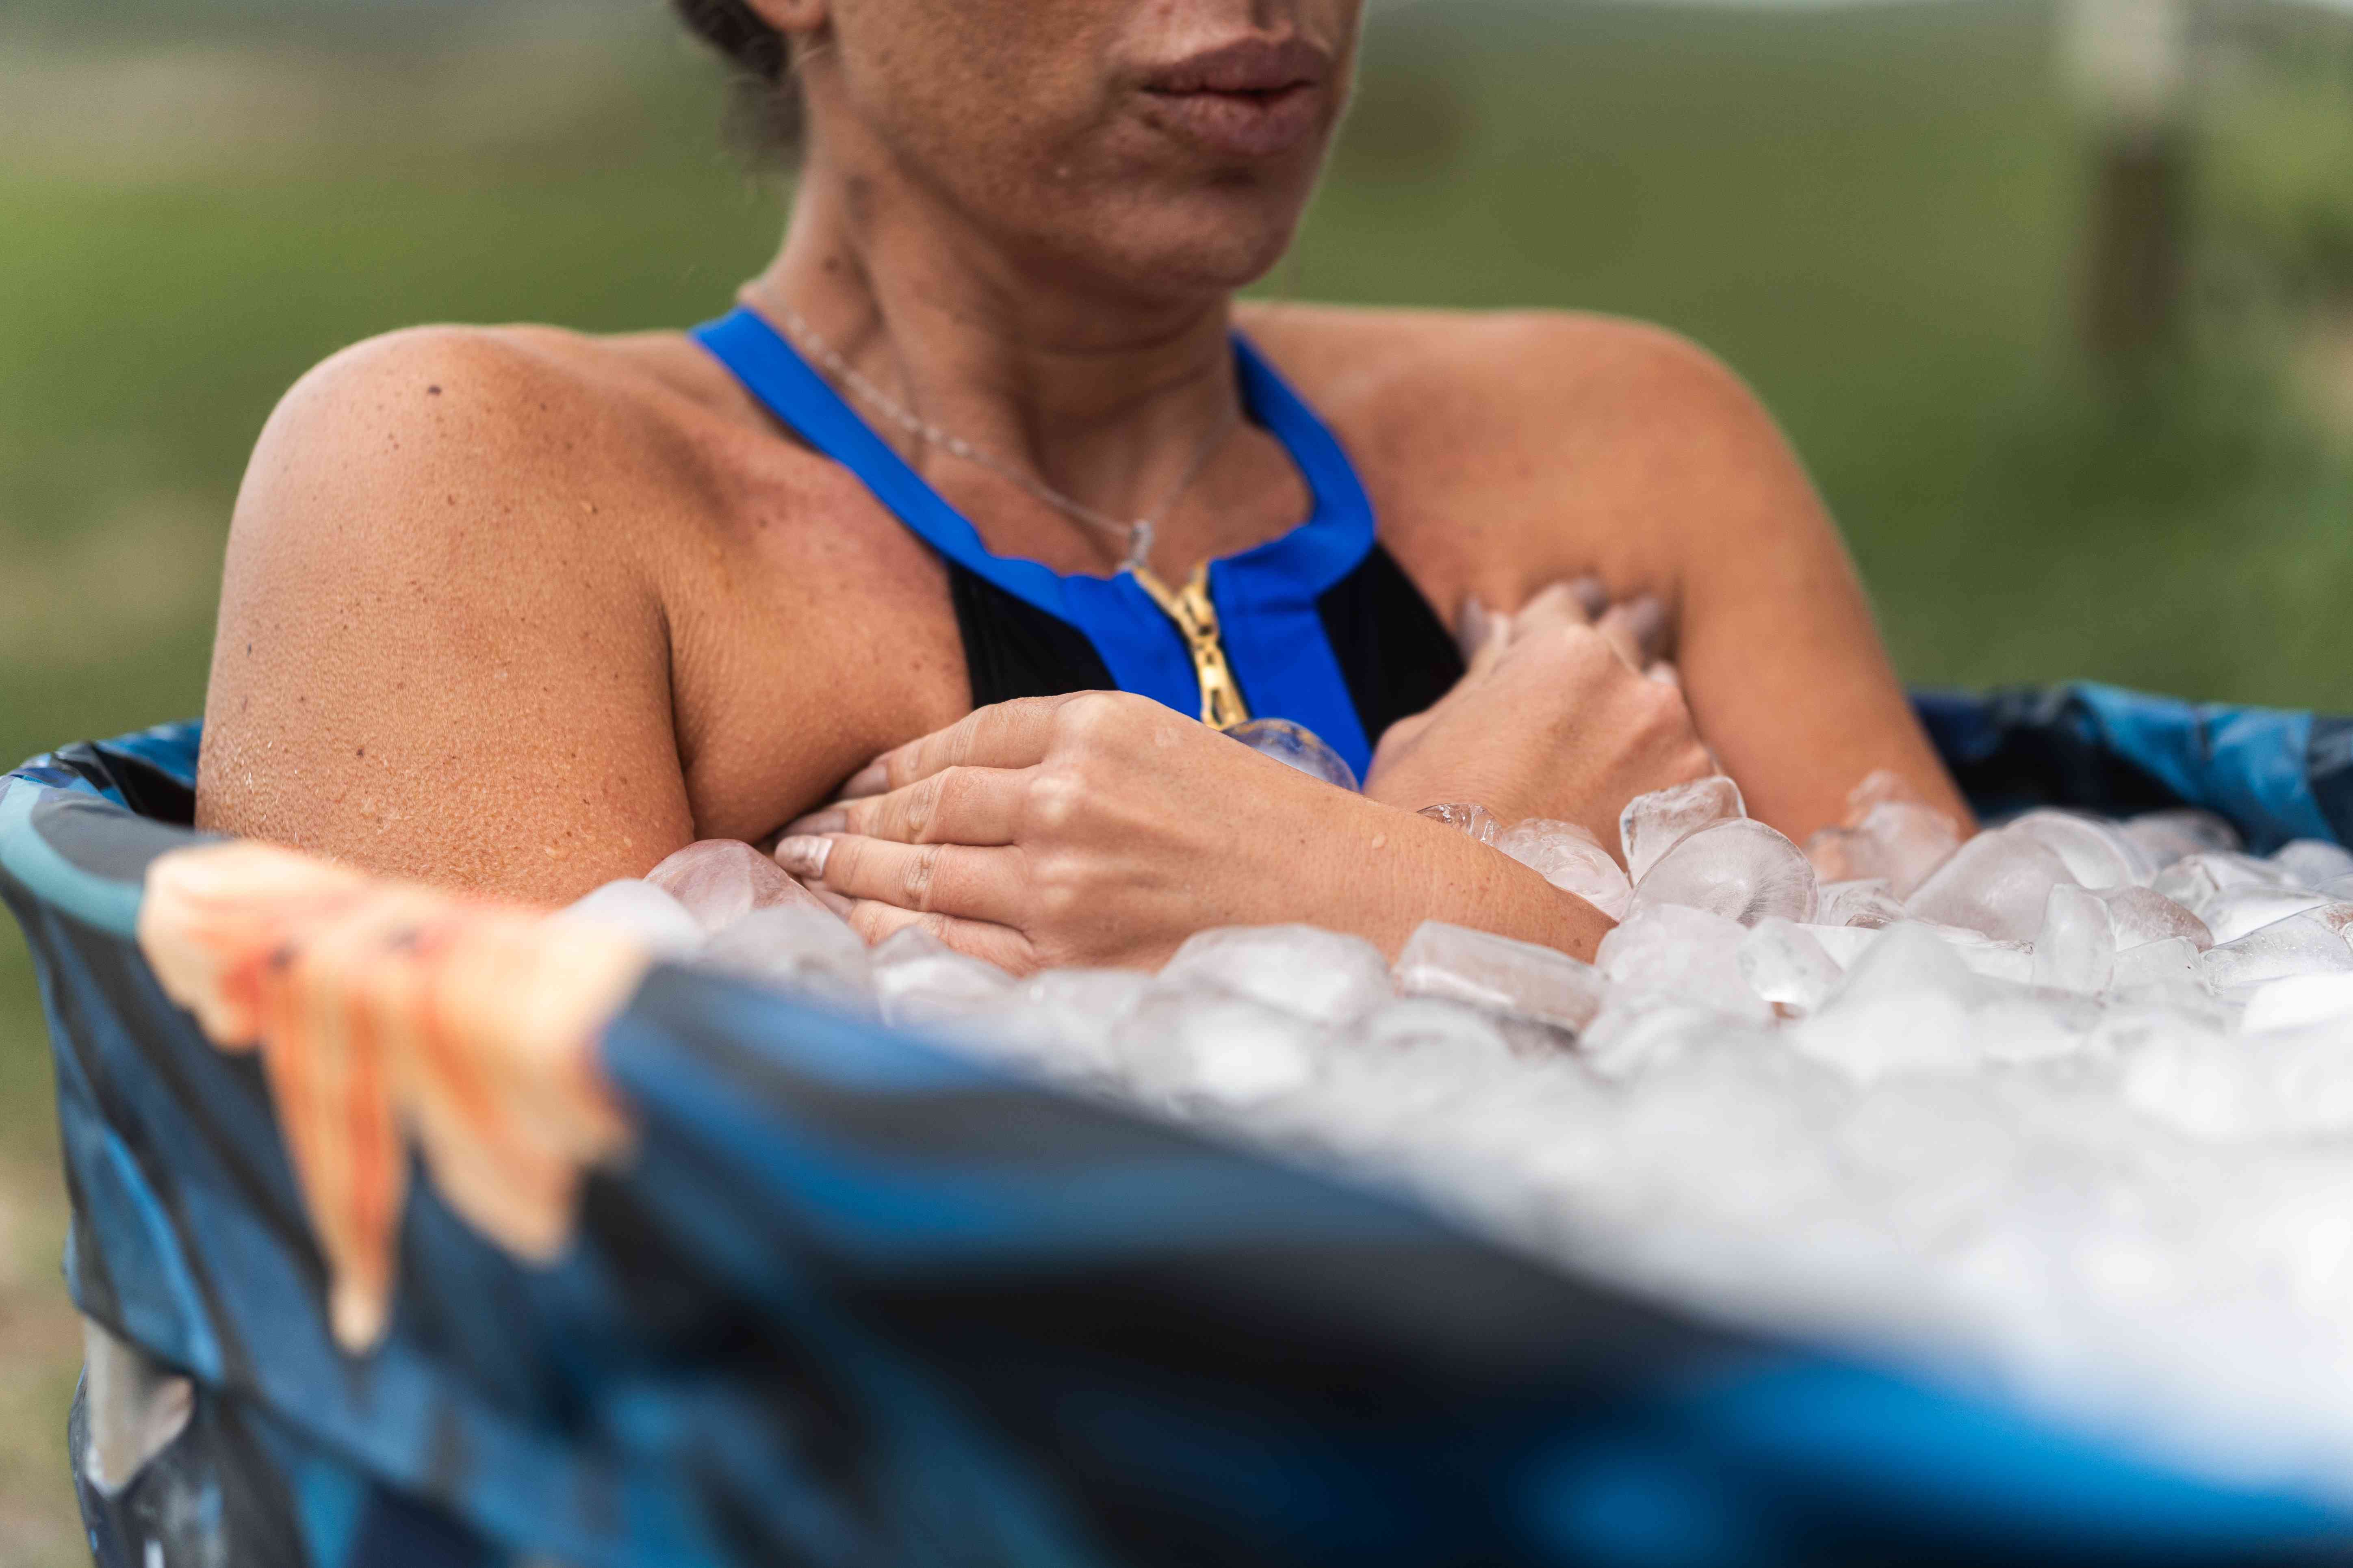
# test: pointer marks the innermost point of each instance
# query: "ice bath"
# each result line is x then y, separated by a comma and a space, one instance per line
2050, 1109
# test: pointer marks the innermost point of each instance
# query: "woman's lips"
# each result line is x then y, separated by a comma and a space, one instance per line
1253, 98
1246, 124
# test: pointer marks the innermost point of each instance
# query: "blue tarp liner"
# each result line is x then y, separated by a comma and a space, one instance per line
856, 1301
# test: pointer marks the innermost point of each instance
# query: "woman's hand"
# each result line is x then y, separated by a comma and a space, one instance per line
1556, 717
1104, 829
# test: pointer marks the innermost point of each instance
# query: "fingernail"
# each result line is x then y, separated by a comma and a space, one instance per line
874, 778
832, 820
1646, 617
804, 857
1590, 593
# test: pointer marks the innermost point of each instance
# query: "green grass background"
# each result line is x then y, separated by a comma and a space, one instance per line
1874, 214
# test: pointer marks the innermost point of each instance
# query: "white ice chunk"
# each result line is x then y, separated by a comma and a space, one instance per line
919, 980
2097, 853
1569, 857
2313, 862
2194, 881
2300, 945
1739, 868
1457, 1037
2165, 963
808, 947
2168, 836
1324, 976
1675, 950
2143, 915
2076, 950
1844, 944
1214, 1047
1655, 823
1898, 841
1996, 883
1903, 1008
1784, 963
1865, 901
2234, 911
1497, 973
1639, 1031
721, 880
643, 913
2299, 1001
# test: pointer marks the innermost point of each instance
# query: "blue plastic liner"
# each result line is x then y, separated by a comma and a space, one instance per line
857, 1301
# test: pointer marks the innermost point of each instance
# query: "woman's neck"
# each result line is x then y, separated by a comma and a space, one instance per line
1107, 399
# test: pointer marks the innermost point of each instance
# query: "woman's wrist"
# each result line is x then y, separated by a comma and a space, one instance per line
1404, 868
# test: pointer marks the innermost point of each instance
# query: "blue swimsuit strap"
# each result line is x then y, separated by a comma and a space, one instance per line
1266, 596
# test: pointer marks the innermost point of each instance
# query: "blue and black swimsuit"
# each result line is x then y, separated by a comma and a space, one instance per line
1320, 626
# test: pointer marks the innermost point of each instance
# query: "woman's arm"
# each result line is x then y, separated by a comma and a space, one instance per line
1102, 829
436, 656
1781, 662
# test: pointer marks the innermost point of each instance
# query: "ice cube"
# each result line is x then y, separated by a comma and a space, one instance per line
1986, 955
1844, 944
1570, 858
1655, 823
1296, 747
1639, 1031
807, 948
721, 880
2195, 880
644, 913
1739, 868
1063, 1021
1903, 1008
2167, 961
2097, 854
2168, 836
2234, 911
2300, 945
1996, 883
1212, 1047
920, 980
1898, 841
2299, 1001
1784, 963
2143, 915
1476, 821
2313, 862
1674, 950
2076, 950
1866, 901
1518, 978
1324, 976
1457, 1037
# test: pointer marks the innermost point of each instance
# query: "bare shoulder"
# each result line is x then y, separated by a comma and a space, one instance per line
1535, 442
438, 558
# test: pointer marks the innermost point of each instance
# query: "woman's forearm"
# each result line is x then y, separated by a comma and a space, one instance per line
1407, 868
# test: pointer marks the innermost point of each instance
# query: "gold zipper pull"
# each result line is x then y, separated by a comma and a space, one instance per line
1197, 619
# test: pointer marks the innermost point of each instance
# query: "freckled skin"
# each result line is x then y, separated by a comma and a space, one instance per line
522, 610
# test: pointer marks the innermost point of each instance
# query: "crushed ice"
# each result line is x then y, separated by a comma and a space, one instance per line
2069, 1104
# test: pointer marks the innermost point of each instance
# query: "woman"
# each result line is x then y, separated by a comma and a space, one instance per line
524, 611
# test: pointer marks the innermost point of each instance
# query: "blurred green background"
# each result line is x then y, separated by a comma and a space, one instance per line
1884, 216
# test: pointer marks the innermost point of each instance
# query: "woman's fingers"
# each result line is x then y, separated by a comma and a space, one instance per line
955, 805
1636, 630
1000, 946
1002, 735
961, 879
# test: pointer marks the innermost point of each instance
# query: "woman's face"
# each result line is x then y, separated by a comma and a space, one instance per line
1160, 144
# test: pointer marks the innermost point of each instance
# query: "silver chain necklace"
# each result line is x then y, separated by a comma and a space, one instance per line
1138, 533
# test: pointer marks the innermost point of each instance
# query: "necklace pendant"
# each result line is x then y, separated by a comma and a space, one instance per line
1197, 621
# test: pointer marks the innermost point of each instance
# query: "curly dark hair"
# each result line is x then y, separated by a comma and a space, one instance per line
767, 111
